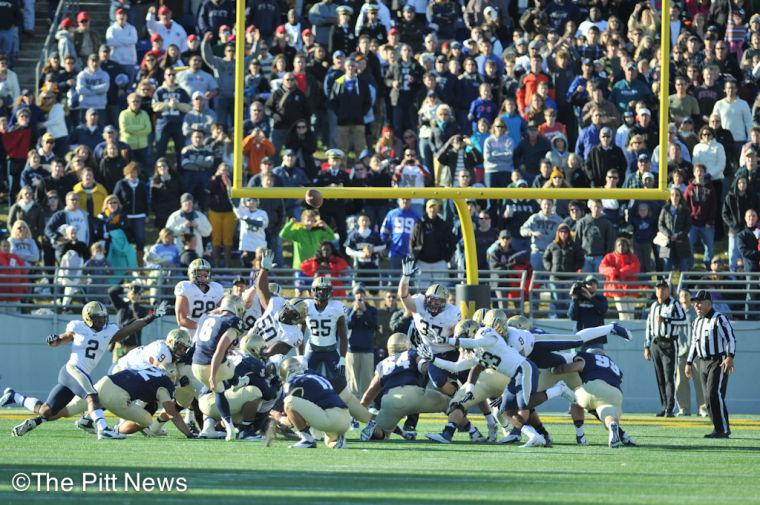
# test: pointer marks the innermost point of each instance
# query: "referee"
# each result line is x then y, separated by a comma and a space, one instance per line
666, 318
713, 342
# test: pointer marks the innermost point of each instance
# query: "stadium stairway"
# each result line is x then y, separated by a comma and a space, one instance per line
31, 47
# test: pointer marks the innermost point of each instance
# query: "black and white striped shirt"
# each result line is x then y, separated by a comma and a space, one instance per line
711, 336
673, 321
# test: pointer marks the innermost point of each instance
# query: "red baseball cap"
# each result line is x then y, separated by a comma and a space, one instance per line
67, 23
280, 29
192, 37
155, 37
306, 32
163, 10
393, 31
82, 16
121, 10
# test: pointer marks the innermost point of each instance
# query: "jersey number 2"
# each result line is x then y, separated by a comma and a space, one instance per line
89, 351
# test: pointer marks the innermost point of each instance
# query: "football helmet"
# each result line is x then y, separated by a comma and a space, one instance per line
478, 315
178, 341
290, 366
196, 267
519, 322
233, 304
398, 342
253, 343
293, 312
274, 288
466, 328
435, 298
95, 315
497, 320
321, 289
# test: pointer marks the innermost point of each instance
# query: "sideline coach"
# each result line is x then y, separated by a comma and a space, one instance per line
713, 342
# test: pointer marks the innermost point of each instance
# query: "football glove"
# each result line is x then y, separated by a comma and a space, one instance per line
51, 339
267, 260
425, 353
160, 310
436, 337
409, 267
468, 394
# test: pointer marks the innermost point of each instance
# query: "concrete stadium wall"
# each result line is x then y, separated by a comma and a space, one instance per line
28, 365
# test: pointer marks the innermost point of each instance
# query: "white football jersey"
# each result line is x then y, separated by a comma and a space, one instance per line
429, 326
521, 340
492, 351
322, 326
89, 345
198, 302
274, 331
155, 354
251, 314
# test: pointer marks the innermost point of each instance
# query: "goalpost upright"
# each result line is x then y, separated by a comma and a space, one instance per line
457, 195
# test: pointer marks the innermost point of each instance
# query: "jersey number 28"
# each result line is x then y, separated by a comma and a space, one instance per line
200, 307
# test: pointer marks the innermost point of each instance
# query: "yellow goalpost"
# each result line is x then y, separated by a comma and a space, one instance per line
457, 195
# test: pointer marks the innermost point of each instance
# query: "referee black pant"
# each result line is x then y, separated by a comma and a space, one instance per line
664, 359
714, 385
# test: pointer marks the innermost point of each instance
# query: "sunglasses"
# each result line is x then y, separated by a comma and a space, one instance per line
613, 177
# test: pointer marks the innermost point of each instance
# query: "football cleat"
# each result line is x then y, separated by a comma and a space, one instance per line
250, 436
437, 437
86, 424
409, 434
108, 434
7, 399
304, 444
628, 440
621, 331
566, 392
368, 431
493, 430
477, 437
23, 428
212, 434
614, 436
536, 441
513, 437
549, 441
581, 439
232, 434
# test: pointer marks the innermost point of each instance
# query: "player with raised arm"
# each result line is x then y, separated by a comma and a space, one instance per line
217, 334
399, 379
310, 401
249, 295
89, 339
196, 296
600, 391
434, 319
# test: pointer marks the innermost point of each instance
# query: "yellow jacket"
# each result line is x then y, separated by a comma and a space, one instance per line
97, 195
134, 128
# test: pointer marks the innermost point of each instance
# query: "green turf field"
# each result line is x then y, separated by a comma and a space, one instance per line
673, 465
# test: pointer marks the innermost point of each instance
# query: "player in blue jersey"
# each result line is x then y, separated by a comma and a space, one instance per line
89, 339
399, 379
310, 401
216, 334
600, 392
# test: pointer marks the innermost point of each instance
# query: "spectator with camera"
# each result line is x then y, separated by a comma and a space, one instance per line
587, 306
188, 221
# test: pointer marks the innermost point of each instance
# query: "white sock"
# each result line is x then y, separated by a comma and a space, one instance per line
29, 402
228, 424
209, 424
529, 431
156, 425
306, 435
490, 419
579, 431
553, 391
99, 418
595, 332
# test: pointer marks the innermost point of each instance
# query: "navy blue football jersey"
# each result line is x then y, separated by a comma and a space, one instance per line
211, 327
143, 384
315, 388
399, 370
600, 367
255, 369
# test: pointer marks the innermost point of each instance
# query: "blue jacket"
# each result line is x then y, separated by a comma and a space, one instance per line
588, 138
362, 329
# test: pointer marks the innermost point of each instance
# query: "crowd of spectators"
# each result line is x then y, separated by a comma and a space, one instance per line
129, 136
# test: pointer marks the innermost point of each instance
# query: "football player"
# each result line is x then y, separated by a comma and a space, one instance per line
398, 378
216, 335
310, 401
249, 295
491, 350
600, 392
157, 353
490, 384
249, 387
328, 335
434, 320
134, 394
196, 296
89, 340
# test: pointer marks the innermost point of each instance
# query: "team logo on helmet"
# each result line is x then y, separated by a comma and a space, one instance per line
478, 315
321, 289
178, 341
435, 299
95, 315
233, 304
497, 320
398, 342
196, 267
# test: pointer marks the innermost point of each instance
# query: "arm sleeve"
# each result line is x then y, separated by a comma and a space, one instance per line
727, 334
678, 317
474, 343
693, 347
459, 366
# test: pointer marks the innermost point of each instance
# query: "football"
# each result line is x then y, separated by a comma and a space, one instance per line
314, 198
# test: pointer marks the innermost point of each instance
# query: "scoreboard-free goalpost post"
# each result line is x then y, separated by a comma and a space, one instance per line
473, 291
